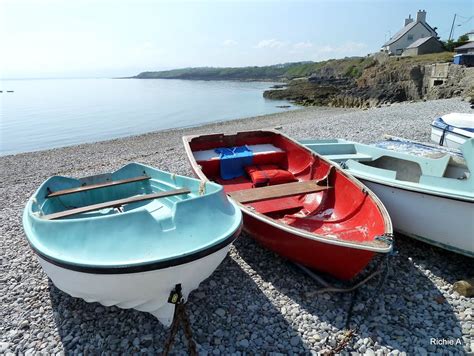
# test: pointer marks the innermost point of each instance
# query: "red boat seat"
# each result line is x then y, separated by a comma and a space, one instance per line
269, 174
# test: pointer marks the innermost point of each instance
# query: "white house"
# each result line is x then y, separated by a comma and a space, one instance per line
467, 48
470, 35
413, 30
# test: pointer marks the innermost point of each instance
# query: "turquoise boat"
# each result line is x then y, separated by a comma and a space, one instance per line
131, 237
430, 199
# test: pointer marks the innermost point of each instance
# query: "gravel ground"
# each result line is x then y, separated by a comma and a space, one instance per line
255, 302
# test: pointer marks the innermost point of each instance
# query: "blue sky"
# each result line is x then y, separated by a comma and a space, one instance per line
84, 38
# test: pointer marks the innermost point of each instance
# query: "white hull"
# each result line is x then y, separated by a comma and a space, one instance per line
442, 222
451, 139
145, 291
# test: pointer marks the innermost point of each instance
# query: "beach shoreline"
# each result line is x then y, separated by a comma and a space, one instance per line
255, 301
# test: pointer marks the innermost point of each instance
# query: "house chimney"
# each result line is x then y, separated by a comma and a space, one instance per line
408, 20
421, 16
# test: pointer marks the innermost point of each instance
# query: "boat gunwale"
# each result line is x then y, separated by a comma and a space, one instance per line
414, 189
453, 131
328, 239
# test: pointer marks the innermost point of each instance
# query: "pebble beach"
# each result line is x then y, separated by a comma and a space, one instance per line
255, 302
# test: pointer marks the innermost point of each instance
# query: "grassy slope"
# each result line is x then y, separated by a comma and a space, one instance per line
421, 60
209, 73
349, 66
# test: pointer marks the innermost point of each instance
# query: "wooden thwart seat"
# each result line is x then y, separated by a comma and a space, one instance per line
96, 186
115, 203
276, 191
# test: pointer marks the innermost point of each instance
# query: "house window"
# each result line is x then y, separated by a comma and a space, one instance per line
410, 37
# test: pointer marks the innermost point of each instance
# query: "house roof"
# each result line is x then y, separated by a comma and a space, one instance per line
466, 46
404, 30
400, 33
419, 42
470, 32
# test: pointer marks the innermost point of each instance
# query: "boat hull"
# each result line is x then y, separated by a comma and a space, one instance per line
417, 215
452, 130
448, 138
339, 261
133, 235
145, 291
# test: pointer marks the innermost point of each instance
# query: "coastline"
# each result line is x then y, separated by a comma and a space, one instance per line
260, 296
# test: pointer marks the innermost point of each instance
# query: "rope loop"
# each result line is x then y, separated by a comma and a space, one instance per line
202, 187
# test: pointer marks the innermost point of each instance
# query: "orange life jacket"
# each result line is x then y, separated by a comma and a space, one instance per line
269, 174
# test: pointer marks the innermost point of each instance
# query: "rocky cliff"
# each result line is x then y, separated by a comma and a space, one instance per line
381, 80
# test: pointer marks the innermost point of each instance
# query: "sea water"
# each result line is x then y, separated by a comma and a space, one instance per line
47, 113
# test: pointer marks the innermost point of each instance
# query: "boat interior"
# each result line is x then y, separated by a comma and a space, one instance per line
280, 179
127, 189
391, 164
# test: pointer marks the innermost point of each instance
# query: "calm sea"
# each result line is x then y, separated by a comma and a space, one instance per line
44, 113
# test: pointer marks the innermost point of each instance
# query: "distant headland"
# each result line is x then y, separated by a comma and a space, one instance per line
369, 81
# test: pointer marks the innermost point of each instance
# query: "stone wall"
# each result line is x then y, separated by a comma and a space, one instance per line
452, 80
383, 85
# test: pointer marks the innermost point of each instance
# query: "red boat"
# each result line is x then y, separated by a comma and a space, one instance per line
295, 202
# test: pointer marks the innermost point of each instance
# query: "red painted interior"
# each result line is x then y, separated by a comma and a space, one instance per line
344, 212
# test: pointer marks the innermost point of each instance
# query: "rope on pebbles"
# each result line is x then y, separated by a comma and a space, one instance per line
382, 269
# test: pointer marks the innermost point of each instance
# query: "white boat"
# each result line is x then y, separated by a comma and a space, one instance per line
452, 130
430, 199
131, 238
423, 149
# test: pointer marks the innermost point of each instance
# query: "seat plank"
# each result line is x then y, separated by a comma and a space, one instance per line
96, 186
276, 191
115, 203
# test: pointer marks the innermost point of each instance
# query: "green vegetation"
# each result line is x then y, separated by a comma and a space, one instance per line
451, 44
346, 67
422, 59
274, 72
350, 67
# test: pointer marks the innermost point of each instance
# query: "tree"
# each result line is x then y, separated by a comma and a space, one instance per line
451, 44
463, 38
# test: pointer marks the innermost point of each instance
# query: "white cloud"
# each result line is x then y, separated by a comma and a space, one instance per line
272, 43
229, 43
353, 46
302, 45
348, 48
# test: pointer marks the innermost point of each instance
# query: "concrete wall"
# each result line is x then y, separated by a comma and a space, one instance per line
417, 32
445, 80
410, 52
